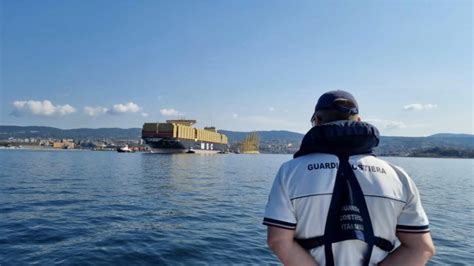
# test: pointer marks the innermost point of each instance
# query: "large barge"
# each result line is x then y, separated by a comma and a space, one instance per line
178, 136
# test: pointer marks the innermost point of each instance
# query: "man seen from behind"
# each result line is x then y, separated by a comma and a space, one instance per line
336, 203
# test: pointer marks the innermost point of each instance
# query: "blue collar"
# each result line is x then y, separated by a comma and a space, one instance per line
340, 137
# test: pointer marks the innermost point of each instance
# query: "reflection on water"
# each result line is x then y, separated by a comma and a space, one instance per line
104, 207
446, 188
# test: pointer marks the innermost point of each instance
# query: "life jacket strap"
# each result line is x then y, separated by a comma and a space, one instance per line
347, 191
314, 242
310, 243
383, 244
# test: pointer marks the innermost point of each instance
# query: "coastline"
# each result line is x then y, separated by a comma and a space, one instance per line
36, 148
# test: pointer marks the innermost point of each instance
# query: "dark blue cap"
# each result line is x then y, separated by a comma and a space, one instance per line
328, 101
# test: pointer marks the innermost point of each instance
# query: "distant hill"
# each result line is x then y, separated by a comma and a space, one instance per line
264, 135
397, 145
450, 135
79, 133
120, 133
443, 144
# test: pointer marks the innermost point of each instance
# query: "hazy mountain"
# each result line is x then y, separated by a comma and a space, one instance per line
450, 135
406, 143
119, 133
79, 133
443, 143
264, 135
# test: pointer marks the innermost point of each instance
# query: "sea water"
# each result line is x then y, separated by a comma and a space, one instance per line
84, 207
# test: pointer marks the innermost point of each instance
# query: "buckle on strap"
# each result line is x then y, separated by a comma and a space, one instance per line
383, 244
310, 243
317, 241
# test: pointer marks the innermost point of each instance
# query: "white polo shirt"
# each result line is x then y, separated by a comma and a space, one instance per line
302, 190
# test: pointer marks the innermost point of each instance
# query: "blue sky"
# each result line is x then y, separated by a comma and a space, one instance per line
237, 65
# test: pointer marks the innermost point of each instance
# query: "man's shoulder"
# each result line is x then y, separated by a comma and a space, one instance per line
375, 159
313, 157
401, 173
395, 170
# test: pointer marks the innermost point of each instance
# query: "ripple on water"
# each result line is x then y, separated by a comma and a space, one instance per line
116, 209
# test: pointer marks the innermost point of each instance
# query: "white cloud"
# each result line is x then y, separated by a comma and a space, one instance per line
41, 108
129, 107
419, 107
170, 112
145, 114
386, 124
271, 109
95, 111
235, 115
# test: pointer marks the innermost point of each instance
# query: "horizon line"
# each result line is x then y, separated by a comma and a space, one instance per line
470, 134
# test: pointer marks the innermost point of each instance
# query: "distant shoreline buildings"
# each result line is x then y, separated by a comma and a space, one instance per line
270, 142
71, 144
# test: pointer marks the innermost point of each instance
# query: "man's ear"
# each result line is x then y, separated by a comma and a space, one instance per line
358, 119
319, 120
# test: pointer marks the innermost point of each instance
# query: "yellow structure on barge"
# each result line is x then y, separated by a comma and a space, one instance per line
251, 144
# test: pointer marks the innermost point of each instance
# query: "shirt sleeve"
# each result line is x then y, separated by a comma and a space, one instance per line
413, 218
279, 211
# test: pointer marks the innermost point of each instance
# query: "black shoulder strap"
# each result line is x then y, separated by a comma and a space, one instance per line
348, 217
